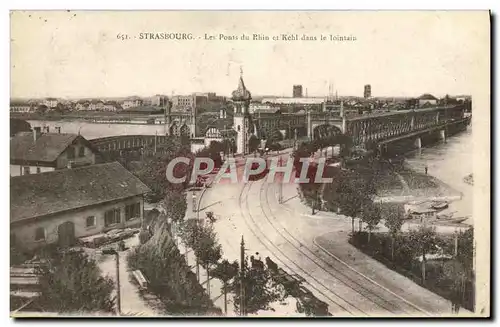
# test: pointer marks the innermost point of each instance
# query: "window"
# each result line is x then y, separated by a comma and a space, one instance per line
132, 211
40, 234
112, 217
38, 170
90, 222
71, 152
26, 170
81, 151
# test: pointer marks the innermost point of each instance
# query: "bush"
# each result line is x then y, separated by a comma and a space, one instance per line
438, 278
169, 276
144, 236
72, 282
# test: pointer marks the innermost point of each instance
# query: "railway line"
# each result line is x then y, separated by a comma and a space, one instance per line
334, 300
345, 292
363, 286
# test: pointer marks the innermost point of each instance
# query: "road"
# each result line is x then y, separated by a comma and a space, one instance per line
314, 247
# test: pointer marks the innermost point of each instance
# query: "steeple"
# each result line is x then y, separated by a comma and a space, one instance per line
241, 93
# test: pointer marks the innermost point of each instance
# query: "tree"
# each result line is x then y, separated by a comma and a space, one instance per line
190, 232
311, 190
465, 248
70, 282
456, 272
349, 192
225, 272
370, 214
206, 249
169, 276
260, 290
394, 222
253, 143
152, 171
42, 109
424, 240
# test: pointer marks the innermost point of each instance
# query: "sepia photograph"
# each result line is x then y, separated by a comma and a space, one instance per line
240, 164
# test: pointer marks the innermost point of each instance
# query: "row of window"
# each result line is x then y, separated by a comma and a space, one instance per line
111, 217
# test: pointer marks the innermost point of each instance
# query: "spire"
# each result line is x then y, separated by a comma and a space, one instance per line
241, 93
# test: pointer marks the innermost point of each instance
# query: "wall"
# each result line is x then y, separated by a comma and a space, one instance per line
17, 170
25, 234
88, 158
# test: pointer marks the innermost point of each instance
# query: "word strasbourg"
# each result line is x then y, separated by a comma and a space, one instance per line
252, 167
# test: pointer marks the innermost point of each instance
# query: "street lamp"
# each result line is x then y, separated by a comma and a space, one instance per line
118, 296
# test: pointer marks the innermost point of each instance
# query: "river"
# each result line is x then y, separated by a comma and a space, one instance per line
450, 162
92, 130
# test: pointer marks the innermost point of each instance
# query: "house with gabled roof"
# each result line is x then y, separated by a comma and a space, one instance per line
37, 151
63, 205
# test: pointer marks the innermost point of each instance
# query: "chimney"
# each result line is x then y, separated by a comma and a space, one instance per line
58, 130
37, 131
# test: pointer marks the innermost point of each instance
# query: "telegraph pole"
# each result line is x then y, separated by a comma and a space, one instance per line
118, 294
242, 277
280, 196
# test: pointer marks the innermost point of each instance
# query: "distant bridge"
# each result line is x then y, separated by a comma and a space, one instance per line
141, 143
387, 127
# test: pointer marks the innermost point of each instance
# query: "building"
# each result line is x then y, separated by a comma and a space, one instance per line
132, 102
426, 100
20, 107
96, 105
51, 102
159, 100
242, 120
297, 91
183, 102
368, 91
256, 106
36, 152
213, 97
63, 205
111, 106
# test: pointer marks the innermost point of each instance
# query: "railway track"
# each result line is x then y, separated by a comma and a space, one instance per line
333, 299
363, 286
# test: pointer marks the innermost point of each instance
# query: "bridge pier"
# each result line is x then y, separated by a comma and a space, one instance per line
442, 135
418, 143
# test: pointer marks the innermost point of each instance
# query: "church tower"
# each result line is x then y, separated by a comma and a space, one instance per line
242, 121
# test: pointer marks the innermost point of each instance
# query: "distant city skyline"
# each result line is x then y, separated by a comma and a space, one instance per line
78, 55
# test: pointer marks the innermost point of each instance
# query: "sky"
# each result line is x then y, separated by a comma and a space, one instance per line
78, 54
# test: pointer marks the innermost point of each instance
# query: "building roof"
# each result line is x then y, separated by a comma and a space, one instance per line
38, 195
427, 96
241, 93
46, 148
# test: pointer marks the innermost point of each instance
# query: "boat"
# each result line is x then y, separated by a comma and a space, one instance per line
439, 205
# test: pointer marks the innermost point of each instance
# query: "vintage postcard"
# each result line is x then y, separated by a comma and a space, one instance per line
250, 164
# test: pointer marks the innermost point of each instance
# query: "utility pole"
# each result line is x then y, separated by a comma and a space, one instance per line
242, 277
280, 195
118, 293
156, 136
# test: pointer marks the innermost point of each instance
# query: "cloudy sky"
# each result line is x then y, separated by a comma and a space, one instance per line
78, 54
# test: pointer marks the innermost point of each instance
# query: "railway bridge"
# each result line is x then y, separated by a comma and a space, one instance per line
142, 144
384, 128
